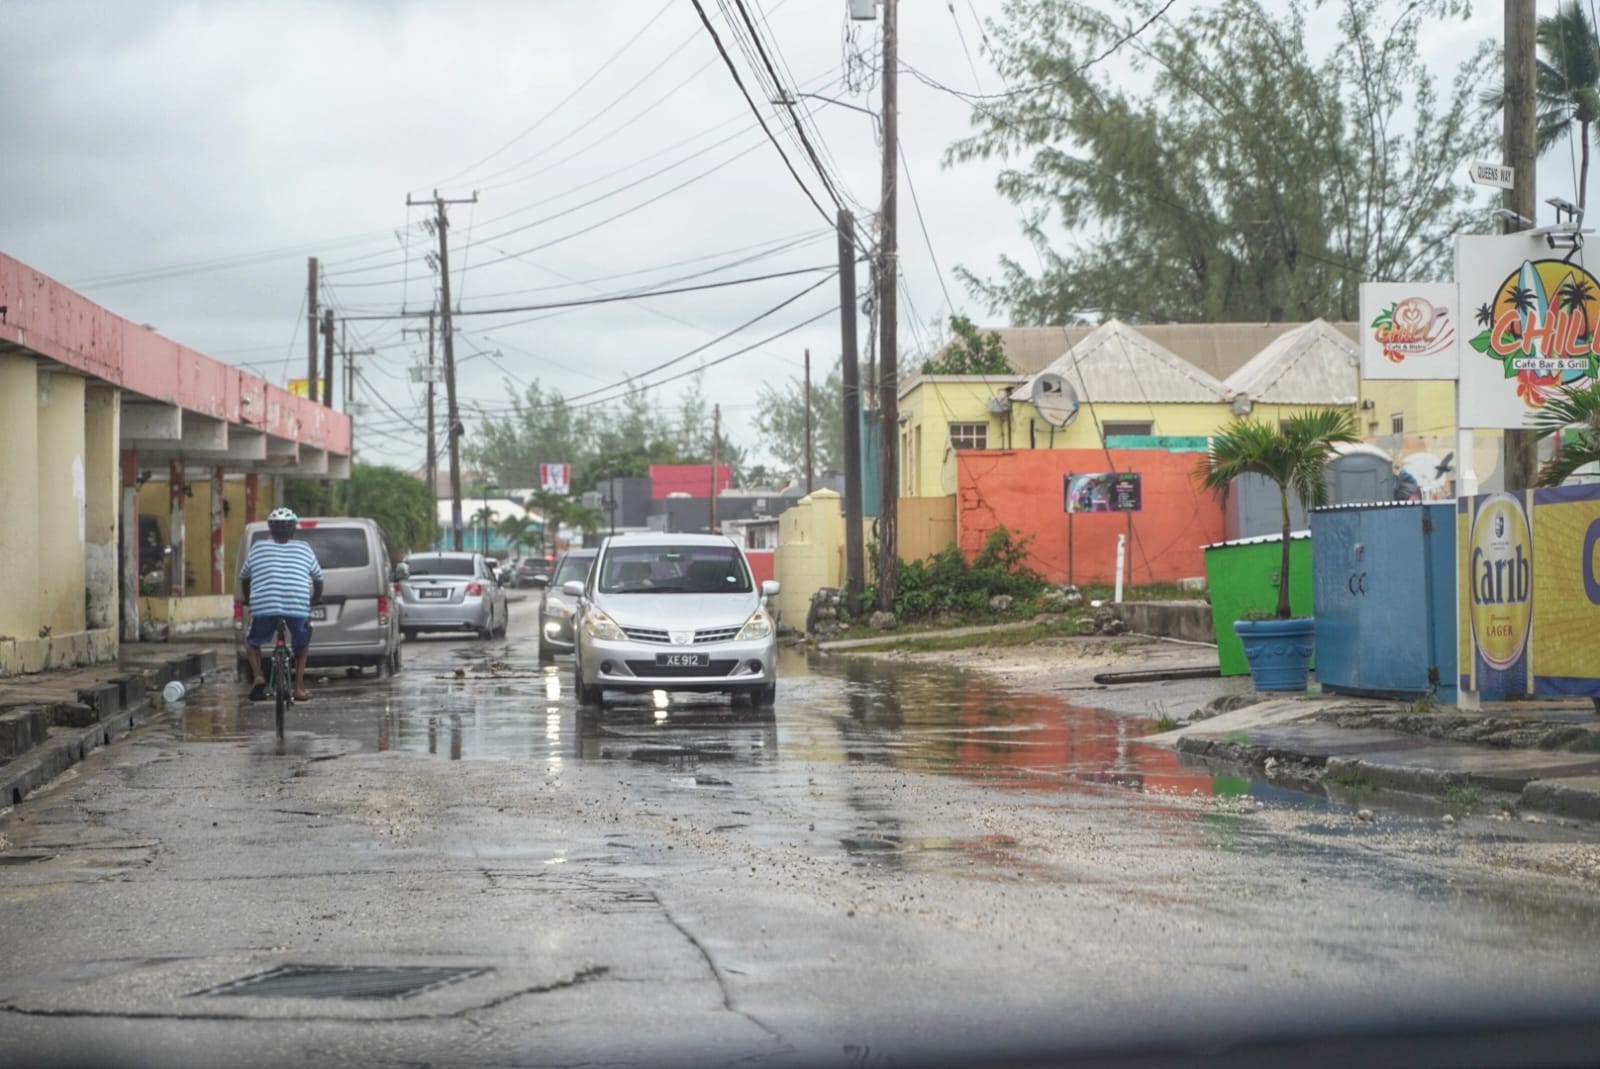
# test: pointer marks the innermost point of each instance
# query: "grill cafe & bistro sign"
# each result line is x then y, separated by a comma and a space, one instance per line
1526, 322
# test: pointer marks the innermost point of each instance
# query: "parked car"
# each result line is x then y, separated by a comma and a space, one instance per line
534, 571
451, 592
356, 624
556, 606
673, 612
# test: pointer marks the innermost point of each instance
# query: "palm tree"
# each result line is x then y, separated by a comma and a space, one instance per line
1485, 315
1293, 455
1571, 406
585, 518
484, 518
1566, 85
1575, 295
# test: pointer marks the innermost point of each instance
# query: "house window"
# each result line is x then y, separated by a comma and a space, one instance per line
969, 435
1397, 423
1115, 428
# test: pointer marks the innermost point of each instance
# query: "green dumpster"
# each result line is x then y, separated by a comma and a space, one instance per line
1242, 576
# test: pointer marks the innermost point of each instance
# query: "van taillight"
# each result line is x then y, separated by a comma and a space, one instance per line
308, 524
475, 589
238, 611
383, 607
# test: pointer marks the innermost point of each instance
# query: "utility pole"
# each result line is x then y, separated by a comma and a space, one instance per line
431, 464
716, 441
452, 414
850, 378
1522, 446
311, 327
807, 396
327, 359
888, 371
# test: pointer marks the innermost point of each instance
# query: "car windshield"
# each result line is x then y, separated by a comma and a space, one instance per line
675, 569
335, 547
439, 565
574, 568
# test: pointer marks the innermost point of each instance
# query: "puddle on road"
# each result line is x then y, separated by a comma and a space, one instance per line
503, 706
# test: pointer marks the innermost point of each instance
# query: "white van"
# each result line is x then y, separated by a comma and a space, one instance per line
357, 623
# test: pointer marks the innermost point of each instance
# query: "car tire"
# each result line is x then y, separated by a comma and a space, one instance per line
382, 668
410, 633
394, 661
765, 697
588, 697
546, 654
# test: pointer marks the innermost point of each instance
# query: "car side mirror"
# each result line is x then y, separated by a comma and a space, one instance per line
402, 572
539, 579
769, 588
572, 588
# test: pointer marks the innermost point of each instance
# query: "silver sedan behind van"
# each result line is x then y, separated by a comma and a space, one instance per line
451, 592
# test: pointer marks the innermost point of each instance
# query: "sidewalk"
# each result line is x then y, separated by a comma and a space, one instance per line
52, 720
1542, 756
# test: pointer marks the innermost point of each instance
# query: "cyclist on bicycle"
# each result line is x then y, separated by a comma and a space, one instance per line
280, 578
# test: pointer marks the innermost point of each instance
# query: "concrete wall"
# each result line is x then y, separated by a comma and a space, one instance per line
58, 518
810, 555
1021, 490
197, 522
186, 615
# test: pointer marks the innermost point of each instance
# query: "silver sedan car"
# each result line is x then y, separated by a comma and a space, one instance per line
673, 612
451, 592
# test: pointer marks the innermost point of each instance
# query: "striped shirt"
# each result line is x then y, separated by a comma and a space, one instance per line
280, 577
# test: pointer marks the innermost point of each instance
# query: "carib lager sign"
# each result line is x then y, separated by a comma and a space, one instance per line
1529, 589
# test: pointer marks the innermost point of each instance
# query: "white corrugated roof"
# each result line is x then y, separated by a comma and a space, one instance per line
1116, 363
1315, 364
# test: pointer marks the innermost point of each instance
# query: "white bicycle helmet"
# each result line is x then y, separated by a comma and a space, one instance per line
282, 517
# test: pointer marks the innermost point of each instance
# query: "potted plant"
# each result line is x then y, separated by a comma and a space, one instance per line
1294, 456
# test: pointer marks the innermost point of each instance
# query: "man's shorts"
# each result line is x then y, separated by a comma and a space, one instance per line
263, 627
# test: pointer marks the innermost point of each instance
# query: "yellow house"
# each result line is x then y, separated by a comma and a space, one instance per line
1171, 381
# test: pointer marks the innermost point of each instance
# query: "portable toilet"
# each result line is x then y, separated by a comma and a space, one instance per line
1384, 587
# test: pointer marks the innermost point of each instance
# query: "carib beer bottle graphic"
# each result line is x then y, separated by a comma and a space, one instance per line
1500, 594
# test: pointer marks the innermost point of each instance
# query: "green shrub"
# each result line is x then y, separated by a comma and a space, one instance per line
946, 583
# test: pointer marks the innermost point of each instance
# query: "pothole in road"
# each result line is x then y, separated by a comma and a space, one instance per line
23, 859
345, 981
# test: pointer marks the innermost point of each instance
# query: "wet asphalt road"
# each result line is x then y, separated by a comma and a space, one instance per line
891, 862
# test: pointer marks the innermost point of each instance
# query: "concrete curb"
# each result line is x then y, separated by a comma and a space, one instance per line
107, 710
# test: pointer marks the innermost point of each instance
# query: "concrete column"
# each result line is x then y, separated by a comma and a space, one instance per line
252, 496
61, 517
102, 418
130, 545
19, 497
218, 579
175, 535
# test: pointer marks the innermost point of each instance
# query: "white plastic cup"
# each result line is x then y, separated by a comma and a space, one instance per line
173, 692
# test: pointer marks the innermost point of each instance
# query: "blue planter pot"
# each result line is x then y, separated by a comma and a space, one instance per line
1279, 651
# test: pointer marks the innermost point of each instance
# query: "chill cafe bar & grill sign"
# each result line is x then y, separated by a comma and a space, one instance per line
1530, 591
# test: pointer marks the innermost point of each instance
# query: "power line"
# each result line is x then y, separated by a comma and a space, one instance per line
733, 70
609, 298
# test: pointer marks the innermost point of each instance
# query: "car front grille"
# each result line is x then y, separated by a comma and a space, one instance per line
649, 669
650, 634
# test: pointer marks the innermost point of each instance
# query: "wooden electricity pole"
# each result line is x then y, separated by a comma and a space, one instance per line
810, 467
850, 379
452, 414
327, 358
1522, 446
312, 326
888, 371
716, 441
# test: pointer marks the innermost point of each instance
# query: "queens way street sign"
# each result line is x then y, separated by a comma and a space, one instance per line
1492, 174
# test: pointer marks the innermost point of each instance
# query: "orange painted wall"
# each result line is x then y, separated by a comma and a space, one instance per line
1021, 490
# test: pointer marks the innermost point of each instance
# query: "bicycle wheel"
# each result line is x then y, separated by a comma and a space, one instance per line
280, 687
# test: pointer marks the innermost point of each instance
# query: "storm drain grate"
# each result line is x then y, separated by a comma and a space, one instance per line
346, 981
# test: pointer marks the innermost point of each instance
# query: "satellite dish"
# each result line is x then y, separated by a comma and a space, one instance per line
1055, 399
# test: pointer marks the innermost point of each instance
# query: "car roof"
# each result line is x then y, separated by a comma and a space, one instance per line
448, 554
663, 538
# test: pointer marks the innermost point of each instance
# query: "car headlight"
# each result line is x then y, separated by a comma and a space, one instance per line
555, 606
597, 624
758, 626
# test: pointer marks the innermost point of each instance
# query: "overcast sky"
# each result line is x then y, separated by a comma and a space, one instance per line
230, 141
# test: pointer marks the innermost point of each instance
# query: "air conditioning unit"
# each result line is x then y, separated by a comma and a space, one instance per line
999, 405
863, 10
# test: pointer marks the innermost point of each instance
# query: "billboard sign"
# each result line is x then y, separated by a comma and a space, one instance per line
555, 478
1116, 491
1533, 327
1409, 330
1530, 591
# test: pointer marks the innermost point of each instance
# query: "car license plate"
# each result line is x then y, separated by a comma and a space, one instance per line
683, 660
425, 592
319, 612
